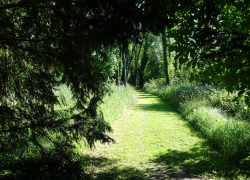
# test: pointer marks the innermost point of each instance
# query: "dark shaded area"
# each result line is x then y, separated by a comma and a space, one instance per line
125, 173
155, 107
93, 164
57, 163
67, 166
196, 162
173, 164
159, 106
145, 96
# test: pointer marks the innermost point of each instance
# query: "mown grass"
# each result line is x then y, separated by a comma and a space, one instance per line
153, 142
227, 135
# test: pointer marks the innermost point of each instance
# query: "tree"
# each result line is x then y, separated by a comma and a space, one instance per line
144, 61
165, 58
125, 64
213, 38
135, 66
154, 68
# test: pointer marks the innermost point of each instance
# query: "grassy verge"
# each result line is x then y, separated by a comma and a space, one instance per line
116, 100
114, 103
228, 135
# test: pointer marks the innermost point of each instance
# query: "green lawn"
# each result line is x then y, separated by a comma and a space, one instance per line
154, 142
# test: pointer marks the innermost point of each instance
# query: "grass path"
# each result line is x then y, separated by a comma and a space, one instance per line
153, 142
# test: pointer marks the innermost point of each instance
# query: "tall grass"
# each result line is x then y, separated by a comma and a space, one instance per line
228, 134
116, 101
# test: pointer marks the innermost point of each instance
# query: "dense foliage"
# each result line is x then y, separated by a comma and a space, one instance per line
213, 38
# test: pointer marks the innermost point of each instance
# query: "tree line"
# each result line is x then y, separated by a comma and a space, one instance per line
210, 40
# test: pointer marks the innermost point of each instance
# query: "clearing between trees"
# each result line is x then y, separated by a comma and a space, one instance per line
154, 142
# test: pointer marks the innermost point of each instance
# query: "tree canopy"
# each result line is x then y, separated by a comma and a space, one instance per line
213, 37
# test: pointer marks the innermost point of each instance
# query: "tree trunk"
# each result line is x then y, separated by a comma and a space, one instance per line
134, 67
129, 58
117, 76
118, 69
124, 54
144, 62
165, 58
176, 64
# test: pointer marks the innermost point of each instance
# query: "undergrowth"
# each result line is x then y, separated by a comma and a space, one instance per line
216, 114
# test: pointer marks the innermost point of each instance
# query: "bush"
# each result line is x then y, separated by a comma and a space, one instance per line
230, 103
206, 110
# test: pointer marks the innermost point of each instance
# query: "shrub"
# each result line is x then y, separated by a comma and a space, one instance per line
230, 103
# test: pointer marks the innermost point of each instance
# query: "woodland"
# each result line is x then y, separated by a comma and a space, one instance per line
70, 69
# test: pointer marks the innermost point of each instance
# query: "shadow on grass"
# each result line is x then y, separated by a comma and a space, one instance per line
65, 167
197, 162
104, 168
146, 96
159, 105
173, 164
155, 107
142, 94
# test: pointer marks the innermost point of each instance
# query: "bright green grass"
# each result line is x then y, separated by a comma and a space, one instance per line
153, 142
